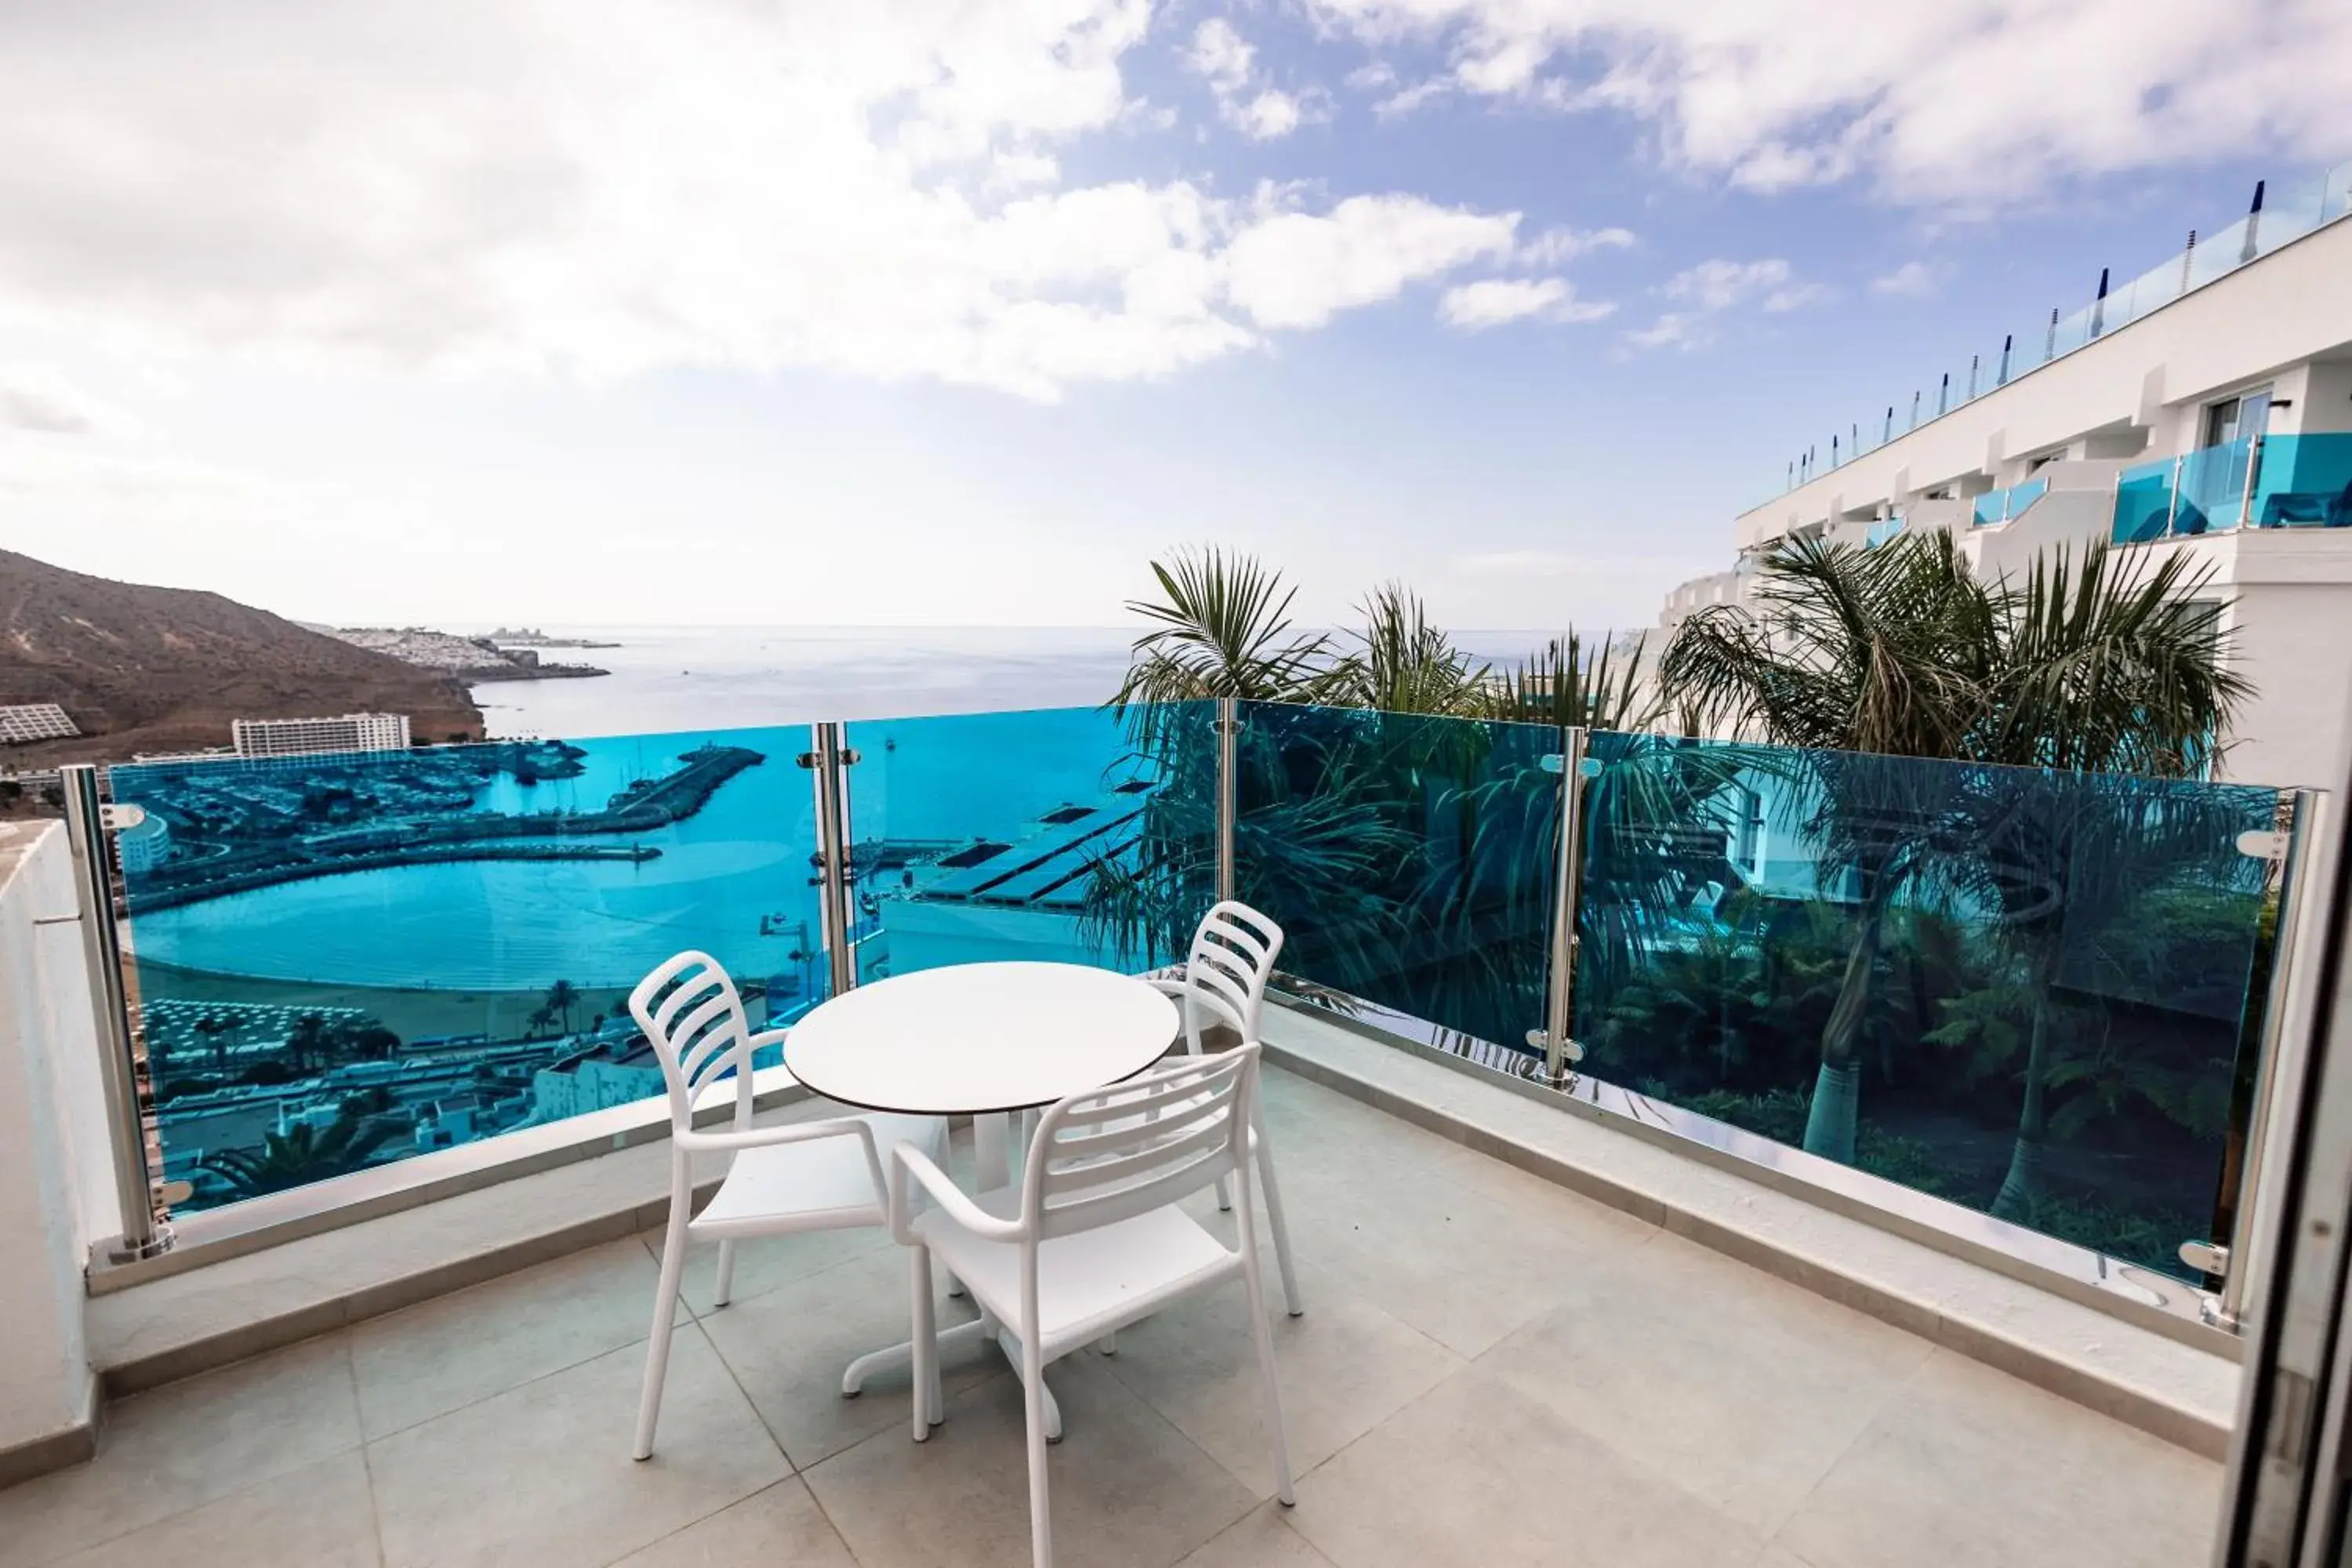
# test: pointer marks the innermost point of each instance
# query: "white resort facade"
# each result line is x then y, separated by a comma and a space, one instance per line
2203, 409
321, 737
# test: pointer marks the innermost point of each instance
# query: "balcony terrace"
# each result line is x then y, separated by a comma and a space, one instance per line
1654, 1288
1493, 1370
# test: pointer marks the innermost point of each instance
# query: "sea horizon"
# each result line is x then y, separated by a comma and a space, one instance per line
670, 678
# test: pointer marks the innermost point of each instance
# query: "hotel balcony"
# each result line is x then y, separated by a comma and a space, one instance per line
1575, 1292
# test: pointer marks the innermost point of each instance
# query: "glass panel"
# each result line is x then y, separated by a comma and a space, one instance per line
2218, 254
988, 837
2289, 214
344, 961
2305, 481
1409, 859
2143, 502
1986, 509
2337, 200
2025, 495
2018, 990
2212, 489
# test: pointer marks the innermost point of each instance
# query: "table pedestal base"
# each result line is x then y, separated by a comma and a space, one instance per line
982, 1329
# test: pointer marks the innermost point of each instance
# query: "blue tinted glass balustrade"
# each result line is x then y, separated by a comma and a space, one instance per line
2303, 481
1042, 834
2000, 506
344, 961
1409, 859
2022, 991
2143, 502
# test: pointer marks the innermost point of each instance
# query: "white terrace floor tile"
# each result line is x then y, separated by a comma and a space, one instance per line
782, 1527
1259, 1540
1345, 1367
320, 1516
1476, 1474
1968, 1468
1128, 1489
186, 1445
430, 1359
542, 1474
1741, 1389
789, 1348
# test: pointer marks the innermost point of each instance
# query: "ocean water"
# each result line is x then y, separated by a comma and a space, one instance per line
733, 879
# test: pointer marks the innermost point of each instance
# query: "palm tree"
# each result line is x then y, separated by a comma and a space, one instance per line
1902, 651
306, 1044
216, 1030
302, 1154
562, 998
1221, 628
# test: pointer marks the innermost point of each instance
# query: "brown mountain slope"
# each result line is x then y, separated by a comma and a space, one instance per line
150, 669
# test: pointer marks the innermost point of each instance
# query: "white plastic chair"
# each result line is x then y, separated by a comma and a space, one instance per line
781, 1179
1224, 980
1091, 1237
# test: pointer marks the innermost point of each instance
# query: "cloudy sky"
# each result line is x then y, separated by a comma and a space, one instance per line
942, 310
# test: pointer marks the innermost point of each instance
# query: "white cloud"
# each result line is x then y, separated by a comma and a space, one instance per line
531, 186
1717, 284
1246, 101
36, 398
1555, 245
1912, 280
1978, 103
1495, 302
1705, 292
1293, 269
1220, 55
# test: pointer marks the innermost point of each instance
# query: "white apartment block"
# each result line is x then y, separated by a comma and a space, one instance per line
2203, 409
24, 721
316, 737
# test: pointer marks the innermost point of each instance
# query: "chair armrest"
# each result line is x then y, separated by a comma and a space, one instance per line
699, 1142
918, 1167
767, 1038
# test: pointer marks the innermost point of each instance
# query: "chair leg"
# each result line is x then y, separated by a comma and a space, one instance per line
1280, 1228
658, 1345
726, 1291
1040, 1516
1264, 1332
925, 1337
1225, 1193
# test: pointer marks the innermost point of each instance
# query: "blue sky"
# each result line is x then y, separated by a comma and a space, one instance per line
712, 311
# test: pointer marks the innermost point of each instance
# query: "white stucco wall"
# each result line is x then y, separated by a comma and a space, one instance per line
2258, 322
49, 1212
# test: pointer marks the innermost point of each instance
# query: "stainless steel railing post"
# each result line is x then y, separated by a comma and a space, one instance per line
1229, 735
828, 761
1560, 966
143, 1232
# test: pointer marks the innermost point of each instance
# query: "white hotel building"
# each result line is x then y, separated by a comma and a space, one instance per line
321, 737
2203, 409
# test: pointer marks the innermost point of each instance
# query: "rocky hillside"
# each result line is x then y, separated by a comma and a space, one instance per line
152, 670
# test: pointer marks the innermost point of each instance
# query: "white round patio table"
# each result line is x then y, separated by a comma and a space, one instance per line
980, 1040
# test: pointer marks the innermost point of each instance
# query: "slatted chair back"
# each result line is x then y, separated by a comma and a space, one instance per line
1227, 971
1113, 1153
692, 1014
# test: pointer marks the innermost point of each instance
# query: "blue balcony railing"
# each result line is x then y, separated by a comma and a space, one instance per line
2283, 219
2000, 506
2263, 481
2024, 992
